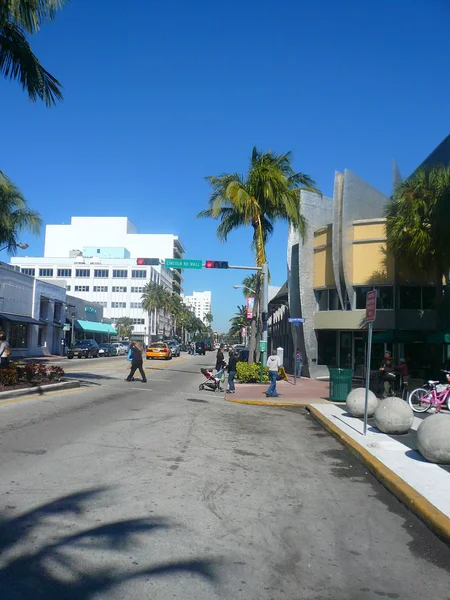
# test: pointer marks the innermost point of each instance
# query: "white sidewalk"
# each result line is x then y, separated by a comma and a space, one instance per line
429, 480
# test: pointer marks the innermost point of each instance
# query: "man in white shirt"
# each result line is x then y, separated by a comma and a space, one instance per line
5, 350
273, 364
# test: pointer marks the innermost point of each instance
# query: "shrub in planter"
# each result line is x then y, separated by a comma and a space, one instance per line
34, 372
8, 376
55, 373
250, 373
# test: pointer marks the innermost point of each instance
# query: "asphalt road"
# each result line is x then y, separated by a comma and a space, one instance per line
134, 491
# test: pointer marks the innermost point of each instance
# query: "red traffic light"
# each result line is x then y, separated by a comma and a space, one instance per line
216, 264
148, 261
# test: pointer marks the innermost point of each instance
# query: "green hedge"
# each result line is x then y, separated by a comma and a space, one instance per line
250, 373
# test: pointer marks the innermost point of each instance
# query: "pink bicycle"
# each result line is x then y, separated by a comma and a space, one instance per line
422, 399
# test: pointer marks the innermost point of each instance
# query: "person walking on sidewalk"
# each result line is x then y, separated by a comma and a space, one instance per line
5, 351
219, 358
231, 368
273, 364
298, 363
136, 362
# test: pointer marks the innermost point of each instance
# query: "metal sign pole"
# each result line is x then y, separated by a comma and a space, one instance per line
295, 354
369, 353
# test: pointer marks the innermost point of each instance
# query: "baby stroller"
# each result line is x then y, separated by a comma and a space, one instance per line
213, 382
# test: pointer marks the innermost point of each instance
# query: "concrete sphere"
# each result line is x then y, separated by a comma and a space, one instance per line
355, 402
393, 415
433, 439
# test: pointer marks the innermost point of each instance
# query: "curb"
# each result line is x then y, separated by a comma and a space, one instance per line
407, 495
52, 387
280, 404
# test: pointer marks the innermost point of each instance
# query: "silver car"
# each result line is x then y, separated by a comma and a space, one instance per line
175, 347
121, 350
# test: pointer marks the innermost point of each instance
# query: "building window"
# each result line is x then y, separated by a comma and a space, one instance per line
138, 321
100, 288
58, 312
118, 288
410, 297
98, 250
122, 273
104, 304
45, 272
138, 274
428, 298
81, 288
27, 271
68, 288
137, 290
82, 273
64, 273
322, 299
385, 297
101, 273
118, 304
18, 335
135, 305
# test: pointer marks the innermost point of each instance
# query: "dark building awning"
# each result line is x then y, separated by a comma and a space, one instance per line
19, 319
397, 336
281, 297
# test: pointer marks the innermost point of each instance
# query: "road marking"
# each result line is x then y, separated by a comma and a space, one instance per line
37, 396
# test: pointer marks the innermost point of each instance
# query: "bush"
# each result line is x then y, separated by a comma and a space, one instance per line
31, 373
250, 373
8, 376
55, 373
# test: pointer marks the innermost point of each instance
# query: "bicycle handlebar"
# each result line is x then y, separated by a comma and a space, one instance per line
444, 371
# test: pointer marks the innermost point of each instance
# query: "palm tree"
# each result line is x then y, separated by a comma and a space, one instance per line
270, 191
154, 298
417, 220
238, 322
17, 61
124, 327
208, 318
15, 216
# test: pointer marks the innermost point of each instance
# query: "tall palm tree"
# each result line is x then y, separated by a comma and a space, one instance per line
269, 192
19, 18
154, 298
15, 216
208, 318
417, 220
238, 322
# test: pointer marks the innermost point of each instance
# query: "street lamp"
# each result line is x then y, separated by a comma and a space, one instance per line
20, 245
236, 287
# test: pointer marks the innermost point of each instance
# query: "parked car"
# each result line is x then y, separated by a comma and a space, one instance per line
107, 350
121, 348
174, 347
86, 348
158, 350
183, 348
200, 348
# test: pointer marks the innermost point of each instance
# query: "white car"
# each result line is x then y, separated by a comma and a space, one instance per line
121, 350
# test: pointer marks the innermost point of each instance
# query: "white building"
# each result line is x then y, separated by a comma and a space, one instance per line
96, 259
199, 303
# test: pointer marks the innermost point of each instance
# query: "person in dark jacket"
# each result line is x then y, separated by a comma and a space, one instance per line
136, 362
386, 374
231, 368
219, 358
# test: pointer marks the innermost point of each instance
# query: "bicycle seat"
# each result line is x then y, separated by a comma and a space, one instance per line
431, 382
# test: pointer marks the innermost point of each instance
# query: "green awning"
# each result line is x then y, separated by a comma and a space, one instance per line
397, 336
93, 327
439, 338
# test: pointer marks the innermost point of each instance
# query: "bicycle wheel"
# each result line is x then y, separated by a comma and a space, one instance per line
420, 400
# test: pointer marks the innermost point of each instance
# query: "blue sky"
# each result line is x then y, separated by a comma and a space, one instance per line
159, 95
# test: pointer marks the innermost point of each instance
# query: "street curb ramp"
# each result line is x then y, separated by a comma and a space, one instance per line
420, 506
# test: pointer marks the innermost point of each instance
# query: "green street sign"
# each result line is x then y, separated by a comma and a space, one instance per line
182, 263
262, 346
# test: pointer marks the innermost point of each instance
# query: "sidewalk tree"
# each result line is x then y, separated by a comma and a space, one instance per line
417, 220
155, 298
124, 327
270, 191
238, 322
15, 216
209, 319
19, 19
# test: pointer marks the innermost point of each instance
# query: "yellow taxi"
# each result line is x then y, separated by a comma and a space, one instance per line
158, 350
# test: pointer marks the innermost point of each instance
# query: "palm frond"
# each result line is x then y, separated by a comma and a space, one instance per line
30, 14
18, 62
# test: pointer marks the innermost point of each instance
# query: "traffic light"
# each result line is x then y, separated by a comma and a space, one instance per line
154, 262
216, 264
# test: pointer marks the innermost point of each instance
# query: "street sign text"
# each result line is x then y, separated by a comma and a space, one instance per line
182, 263
371, 306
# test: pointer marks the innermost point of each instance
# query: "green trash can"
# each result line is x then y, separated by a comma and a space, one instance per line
340, 384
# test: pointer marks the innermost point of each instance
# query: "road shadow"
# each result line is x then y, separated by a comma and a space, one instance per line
40, 560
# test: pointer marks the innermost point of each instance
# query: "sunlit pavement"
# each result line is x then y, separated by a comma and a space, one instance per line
157, 490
